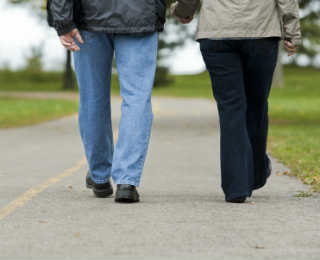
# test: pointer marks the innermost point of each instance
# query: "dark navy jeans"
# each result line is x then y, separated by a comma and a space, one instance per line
241, 72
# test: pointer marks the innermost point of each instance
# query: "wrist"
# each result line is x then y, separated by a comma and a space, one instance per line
63, 28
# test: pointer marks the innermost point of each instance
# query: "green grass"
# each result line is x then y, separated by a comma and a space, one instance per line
295, 124
16, 112
187, 86
182, 86
30, 81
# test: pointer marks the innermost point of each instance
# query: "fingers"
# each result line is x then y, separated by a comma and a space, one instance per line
79, 38
68, 42
291, 54
292, 49
185, 20
289, 45
182, 20
77, 35
173, 8
74, 47
70, 45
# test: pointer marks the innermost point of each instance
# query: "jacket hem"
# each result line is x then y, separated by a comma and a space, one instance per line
128, 30
217, 35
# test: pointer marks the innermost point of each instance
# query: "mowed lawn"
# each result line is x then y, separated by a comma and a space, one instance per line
22, 81
16, 112
295, 124
294, 111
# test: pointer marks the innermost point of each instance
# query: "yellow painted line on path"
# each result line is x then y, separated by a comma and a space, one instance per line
155, 107
33, 192
115, 136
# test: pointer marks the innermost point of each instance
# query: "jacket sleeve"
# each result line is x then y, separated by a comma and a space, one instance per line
186, 8
60, 15
289, 14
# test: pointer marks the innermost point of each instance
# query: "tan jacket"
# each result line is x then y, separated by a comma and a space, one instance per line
244, 18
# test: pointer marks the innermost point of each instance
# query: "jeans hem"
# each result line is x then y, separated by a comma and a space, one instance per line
100, 181
136, 184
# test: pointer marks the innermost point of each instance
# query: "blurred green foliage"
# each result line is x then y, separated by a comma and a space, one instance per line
34, 59
310, 26
26, 80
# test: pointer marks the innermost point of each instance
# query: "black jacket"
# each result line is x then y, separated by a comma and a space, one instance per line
110, 16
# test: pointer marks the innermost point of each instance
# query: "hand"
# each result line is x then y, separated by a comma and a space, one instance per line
68, 42
291, 49
182, 20
185, 20
173, 8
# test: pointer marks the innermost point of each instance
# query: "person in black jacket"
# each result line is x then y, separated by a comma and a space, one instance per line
95, 30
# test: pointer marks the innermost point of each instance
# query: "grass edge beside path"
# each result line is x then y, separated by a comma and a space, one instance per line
296, 147
294, 113
19, 112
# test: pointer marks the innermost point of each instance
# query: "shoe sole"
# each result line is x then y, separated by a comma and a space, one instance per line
126, 197
126, 200
102, 193
237, 200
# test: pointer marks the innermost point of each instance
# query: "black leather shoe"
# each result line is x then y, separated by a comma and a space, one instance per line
89, 181
238, 200
99, 190
127, 194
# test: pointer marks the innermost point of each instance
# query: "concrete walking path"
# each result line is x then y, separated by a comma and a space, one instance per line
46, 211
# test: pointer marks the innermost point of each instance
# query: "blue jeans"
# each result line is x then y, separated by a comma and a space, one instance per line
241, 72
136, 63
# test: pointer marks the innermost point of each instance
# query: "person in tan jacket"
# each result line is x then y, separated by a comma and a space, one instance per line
239, 42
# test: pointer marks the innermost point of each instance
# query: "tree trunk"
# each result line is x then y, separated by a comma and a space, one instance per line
68, 82
278, 74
